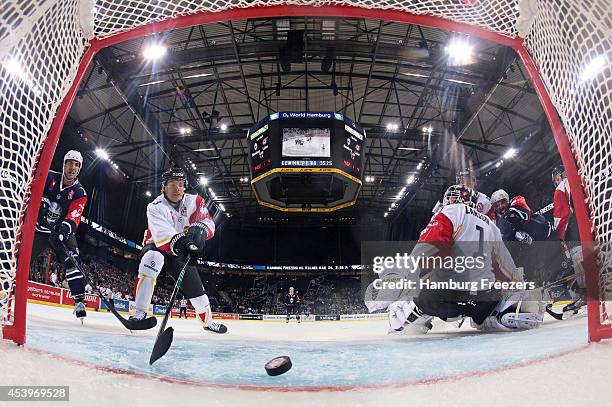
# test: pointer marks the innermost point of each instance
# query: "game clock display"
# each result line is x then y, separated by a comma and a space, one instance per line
306, 139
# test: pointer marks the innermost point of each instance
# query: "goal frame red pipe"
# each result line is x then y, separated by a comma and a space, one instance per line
16, 332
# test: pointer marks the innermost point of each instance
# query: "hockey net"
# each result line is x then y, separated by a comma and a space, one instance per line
42, 43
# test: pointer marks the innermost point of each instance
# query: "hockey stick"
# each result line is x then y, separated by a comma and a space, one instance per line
132, 325
165, 336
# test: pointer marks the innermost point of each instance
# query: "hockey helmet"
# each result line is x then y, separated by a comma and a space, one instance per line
558, 171
499, 195
74, 156
459, 194
174, 173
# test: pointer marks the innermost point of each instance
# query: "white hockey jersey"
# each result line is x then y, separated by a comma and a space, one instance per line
460, 231
165, 221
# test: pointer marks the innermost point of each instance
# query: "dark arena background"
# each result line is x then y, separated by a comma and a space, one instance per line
309, 136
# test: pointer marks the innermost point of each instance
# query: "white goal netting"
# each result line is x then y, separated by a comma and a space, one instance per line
42, 43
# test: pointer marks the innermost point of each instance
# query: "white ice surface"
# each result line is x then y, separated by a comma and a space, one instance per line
451, 366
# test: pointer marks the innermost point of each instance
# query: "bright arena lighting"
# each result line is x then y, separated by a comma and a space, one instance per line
101, 153
148, 194
427, 129
222, 207
185, 130
459, 52
223, 127
593, 68
410, 180
203, 180
154, 52
510, 153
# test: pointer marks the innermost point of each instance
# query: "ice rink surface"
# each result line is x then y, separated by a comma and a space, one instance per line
334, 363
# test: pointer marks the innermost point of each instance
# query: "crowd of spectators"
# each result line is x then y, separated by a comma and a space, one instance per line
255, 295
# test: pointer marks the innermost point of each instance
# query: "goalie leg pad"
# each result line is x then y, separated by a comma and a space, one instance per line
150, 266
406, 317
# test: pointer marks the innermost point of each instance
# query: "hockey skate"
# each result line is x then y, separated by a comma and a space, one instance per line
215, 327
578, 303
138, 316
79, 311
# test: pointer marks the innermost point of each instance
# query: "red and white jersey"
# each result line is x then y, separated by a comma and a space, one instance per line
165, 221
460, 231
483, 204
562, 208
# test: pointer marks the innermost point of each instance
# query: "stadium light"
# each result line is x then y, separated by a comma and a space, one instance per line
510, 153
386, 214
102, 154
459, 51
419, 166
427, 129
223, 127
392, 126
200, 75
203, 180
151, 83
410, 180
148, 194
185, 130
154, 52
593, 68
222, 207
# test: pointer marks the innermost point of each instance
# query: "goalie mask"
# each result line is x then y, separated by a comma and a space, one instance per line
459, 194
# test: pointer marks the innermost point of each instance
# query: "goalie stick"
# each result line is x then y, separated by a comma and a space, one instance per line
165, 336
132, 325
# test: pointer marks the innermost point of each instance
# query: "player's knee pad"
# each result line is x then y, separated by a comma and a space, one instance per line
151, 264
405, 317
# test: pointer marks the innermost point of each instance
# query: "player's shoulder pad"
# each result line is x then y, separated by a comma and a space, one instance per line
454, 211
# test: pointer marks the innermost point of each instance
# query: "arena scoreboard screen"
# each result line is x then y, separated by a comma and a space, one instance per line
306, 161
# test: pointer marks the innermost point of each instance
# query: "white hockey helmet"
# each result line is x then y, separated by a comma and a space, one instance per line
459, 194
74, 156
499, 195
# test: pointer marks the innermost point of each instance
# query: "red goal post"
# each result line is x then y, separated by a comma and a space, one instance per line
46, 47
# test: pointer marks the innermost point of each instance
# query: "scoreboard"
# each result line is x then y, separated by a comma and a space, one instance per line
307, 139
316, 143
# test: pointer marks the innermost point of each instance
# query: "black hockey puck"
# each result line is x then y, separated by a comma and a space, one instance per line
278, 365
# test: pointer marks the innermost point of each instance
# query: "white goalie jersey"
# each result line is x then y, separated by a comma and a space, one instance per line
165, 221
461, 232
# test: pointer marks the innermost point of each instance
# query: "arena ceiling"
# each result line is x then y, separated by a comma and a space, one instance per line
425, 115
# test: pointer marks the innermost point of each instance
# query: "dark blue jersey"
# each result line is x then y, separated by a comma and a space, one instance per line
60, 204
292, 299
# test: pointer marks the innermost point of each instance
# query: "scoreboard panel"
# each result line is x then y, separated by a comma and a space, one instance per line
306, 160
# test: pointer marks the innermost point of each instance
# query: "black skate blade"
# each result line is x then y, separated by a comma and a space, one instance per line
162, 344
140, 325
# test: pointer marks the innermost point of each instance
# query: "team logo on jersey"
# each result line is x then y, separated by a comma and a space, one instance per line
70, 194
58, 196
479, 206
184, 211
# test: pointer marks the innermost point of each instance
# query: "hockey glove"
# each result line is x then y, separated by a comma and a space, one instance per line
62, 231
44, 209
198, 233
182, 245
